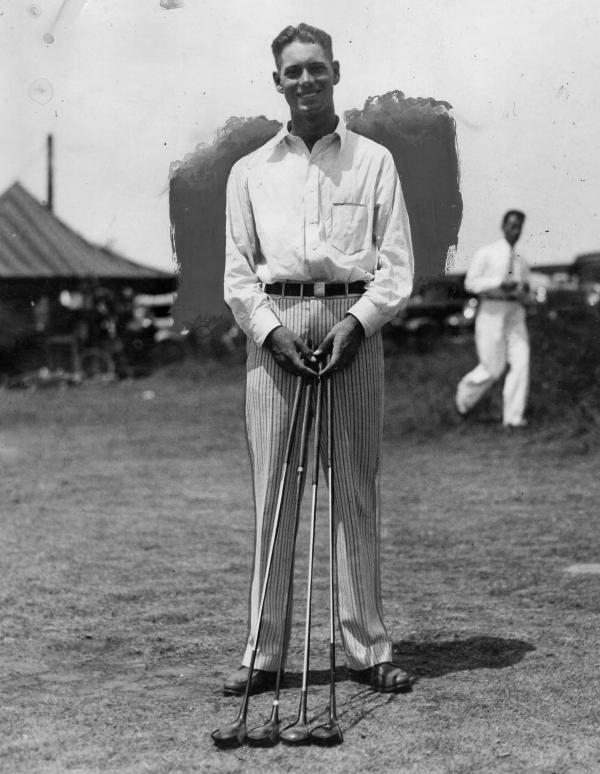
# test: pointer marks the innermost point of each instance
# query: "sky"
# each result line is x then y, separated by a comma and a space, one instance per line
128, 86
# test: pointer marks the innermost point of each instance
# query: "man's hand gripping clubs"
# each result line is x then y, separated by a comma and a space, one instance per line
291, 352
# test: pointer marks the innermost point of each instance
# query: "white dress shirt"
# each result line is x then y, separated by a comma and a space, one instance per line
333, 214
492, 265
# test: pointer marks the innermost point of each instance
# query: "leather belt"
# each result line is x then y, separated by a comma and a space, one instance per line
314, 289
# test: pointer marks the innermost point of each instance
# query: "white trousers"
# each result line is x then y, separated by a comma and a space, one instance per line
501, 339
357, 425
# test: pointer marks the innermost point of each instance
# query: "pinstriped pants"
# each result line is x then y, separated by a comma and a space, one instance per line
357, 424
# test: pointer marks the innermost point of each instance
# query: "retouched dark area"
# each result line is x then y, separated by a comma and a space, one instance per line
197, 211
421, 135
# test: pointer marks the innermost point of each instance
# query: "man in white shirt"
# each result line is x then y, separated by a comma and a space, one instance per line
499, 275
318, 253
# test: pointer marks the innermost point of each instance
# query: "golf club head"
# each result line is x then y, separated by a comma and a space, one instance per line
296, 734
230, 736
266, 735
327, 735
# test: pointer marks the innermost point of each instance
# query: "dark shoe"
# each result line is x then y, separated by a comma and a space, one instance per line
235, 684
522, 425
462, 414
384, 678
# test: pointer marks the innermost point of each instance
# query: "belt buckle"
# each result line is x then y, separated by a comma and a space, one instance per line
319, 289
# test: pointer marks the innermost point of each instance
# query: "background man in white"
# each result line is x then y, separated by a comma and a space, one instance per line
499, 275
318, 251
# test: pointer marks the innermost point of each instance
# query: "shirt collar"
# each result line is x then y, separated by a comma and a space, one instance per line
341, 130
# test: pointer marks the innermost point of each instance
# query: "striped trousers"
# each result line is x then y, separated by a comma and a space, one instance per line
357, 396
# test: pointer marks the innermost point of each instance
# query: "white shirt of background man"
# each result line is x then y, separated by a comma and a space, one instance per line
492, 265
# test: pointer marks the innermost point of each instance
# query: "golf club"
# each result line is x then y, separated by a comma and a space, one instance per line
330, 733
235, 733
267, 735
299, 733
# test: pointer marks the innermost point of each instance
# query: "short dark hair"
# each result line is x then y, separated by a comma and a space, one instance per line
517, 213
304, 33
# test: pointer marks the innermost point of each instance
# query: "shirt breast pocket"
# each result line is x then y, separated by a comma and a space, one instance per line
350, 227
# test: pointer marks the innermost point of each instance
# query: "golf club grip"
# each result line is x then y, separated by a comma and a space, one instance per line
293, 419
318, 421
328, 392
306, 422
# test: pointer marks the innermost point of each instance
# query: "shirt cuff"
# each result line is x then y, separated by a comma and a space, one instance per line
263, 323
482, 285
368, 315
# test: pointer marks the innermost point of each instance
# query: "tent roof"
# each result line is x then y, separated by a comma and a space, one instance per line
34, 243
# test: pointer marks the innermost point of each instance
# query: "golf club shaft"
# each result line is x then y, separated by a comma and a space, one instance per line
332, 556
313, 519
274, 533
301, 473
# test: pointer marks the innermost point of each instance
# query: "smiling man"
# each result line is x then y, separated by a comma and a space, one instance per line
318, 253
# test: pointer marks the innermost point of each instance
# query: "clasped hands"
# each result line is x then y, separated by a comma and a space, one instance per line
294, 355
509, 290
517, 291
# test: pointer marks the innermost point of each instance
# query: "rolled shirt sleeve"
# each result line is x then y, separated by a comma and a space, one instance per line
391, 286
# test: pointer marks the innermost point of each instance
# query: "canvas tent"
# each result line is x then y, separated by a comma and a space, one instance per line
40, 252
40, 256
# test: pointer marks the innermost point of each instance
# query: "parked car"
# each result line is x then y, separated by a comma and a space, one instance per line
438, 306
564, 301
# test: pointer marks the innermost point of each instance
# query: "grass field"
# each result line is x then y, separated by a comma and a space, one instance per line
126, 536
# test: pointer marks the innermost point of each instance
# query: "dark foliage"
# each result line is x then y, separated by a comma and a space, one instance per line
565, 367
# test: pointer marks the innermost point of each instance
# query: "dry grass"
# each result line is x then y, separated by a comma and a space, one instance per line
126, 532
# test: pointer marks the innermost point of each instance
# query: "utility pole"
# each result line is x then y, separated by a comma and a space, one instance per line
50, 172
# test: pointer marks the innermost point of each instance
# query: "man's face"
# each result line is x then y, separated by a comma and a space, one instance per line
306, 78
512, 229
